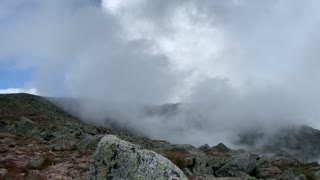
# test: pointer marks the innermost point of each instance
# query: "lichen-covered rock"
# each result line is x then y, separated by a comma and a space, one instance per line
118, 159
237, 164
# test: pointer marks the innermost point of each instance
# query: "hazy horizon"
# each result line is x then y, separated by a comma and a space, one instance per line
235, 65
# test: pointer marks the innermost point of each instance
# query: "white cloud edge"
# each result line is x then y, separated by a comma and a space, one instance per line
19, 90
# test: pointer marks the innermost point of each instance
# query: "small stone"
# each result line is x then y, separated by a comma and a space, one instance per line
19, 152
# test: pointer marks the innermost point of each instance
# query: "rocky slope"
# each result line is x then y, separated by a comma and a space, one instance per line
38, 140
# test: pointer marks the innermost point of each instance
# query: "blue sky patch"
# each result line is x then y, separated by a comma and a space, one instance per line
12, 77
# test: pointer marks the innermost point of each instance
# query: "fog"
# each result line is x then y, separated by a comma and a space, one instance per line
233, 66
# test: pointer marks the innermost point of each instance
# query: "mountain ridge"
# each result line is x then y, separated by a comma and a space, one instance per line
39, 140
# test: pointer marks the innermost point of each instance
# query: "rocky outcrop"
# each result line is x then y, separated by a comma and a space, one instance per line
118, 159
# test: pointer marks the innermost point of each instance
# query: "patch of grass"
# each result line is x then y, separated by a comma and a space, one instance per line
176, 157
181, 163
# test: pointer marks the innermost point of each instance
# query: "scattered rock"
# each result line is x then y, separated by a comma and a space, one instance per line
118, 159
268, 172
236, 164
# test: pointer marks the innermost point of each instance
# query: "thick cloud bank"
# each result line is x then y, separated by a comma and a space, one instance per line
233, 65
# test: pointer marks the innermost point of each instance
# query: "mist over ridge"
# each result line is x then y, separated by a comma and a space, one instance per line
232, 66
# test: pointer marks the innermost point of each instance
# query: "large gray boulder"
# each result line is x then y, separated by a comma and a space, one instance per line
236, 165
118, 159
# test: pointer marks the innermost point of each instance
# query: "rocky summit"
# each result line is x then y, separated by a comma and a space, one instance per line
39, 140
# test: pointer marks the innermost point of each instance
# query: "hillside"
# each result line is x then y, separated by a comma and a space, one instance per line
38, 140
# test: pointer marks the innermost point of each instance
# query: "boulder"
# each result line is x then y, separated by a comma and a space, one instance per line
237, 164
118, 159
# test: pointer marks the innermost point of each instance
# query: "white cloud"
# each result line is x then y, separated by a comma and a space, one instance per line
19, 90
244, 61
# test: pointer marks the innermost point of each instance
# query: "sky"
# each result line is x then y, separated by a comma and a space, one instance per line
234, 65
